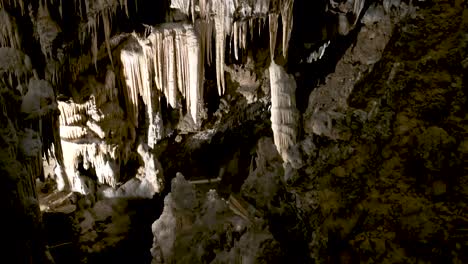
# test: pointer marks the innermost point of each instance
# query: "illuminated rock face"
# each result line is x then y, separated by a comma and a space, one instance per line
233, 21
99, 121
170, 58
284, 115
95, 134
107, 94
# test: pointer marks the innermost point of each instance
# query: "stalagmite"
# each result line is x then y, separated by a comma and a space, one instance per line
152, 169
284, 115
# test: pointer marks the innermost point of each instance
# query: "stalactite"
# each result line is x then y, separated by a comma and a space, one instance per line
96, 11
47, 30
239, 33
284, 115
132, 62
358, 6
9, 36
107, 20
287, 20
93, 132
220, 32
273, 22
194, 73
58, 151
186, 6
124, 4
14, 3
71, 113
205, 29
222, 13
73, 132
100, 156
92, 31
14, 63
236, 39
171, 56
261, 7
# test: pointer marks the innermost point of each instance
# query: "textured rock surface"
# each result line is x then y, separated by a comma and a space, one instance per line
23, 140
343, 141
201, 228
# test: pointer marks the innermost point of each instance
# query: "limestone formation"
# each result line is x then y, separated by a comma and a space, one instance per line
95, 134
233, 22
170, 58
284, 115
309, 131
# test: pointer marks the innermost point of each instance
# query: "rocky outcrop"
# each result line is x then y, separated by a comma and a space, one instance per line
201, 228
326, 114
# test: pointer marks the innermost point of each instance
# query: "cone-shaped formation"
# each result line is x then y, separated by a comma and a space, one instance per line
166, 62
284, 115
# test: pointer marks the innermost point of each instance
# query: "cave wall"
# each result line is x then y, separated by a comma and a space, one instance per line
118, 92
107, 96
125, 78
27, 136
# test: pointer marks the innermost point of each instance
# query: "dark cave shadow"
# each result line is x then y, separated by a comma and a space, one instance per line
314, 26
